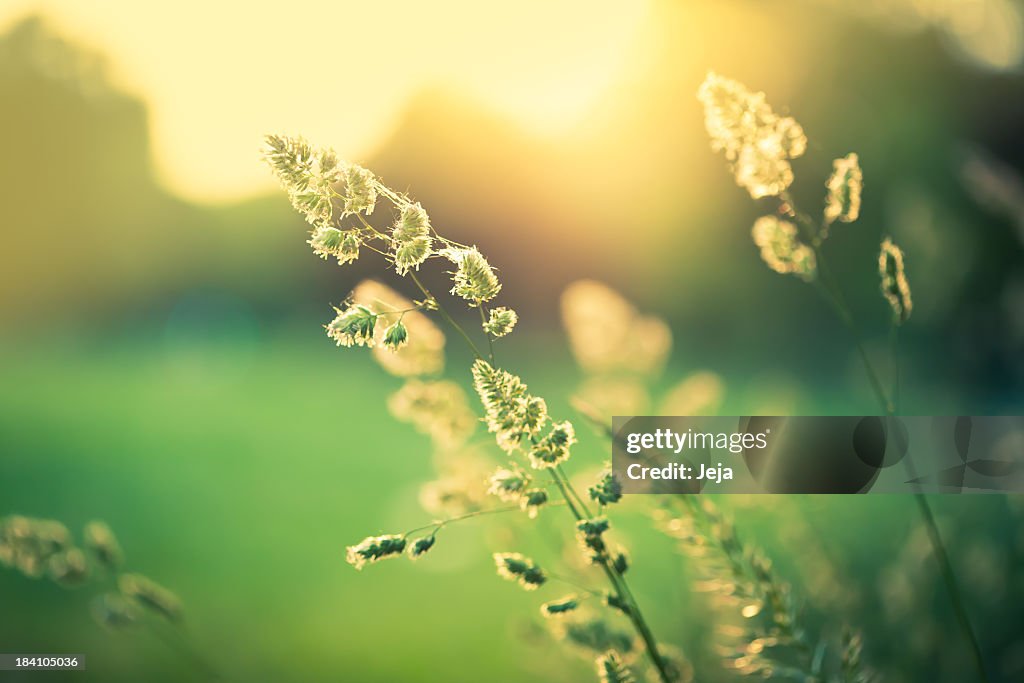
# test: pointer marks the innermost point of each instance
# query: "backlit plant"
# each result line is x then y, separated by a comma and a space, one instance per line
342, 202
45, 548
620, 350
759, 145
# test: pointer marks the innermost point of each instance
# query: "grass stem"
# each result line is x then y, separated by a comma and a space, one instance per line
444, 314
490, 341
573, 500
834, 295
620, 586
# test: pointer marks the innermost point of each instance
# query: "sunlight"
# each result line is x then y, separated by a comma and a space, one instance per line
338, 71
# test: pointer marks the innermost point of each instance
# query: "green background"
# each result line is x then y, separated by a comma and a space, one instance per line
162, 366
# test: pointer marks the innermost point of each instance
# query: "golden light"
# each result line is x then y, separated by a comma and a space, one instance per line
218, 75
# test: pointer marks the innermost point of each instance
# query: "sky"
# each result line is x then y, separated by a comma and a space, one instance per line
218, 74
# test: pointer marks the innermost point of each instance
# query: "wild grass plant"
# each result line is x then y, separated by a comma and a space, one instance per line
761, 624
122, 600
352, 211
759, 145
342, 202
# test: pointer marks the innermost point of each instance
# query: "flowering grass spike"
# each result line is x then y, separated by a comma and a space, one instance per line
516, 567
474, 279
509, 484
338, 199
757, 142
101, 542
608, 488
512, 414
895, 287
422, 353
373, 549
781, 249
565, 605
533, 500
500, 321
553, 449
844, 191
396, 336
412, 240
150, 595
353, 326
421, 546
611, 668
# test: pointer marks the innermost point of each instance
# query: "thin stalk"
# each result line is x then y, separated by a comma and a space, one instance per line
444, 314
894, 352
617, 577
959, 607
483, 323
575, 584
426, 292
572, 490
175, 640
621, 588
838, 302
934, 535
640, 623
941, 554
833, 293
571, 498
440, 524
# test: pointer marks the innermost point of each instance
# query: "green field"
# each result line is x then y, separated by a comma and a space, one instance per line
236, 473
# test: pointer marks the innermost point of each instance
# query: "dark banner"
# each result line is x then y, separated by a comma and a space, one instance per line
956, 454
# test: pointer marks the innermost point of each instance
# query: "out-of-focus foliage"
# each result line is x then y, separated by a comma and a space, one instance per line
151, 374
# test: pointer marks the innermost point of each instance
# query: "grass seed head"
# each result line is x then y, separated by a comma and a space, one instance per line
474, 279
411, 238
360, 190
620, 561
756, 141
608, 488
101, 542
608, 335
611, 668
517, 567
533, 500
553, 448
511, 413
895, 287
590, 534
844, 190
396, 336
68, 568
151, 596
421, 546
423, 352
508, 484
114, 611
342, 245
373, 549
292, 159
595, 635
353, 326
27, 544
500, 321
616, 602
782, 250
561, 606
